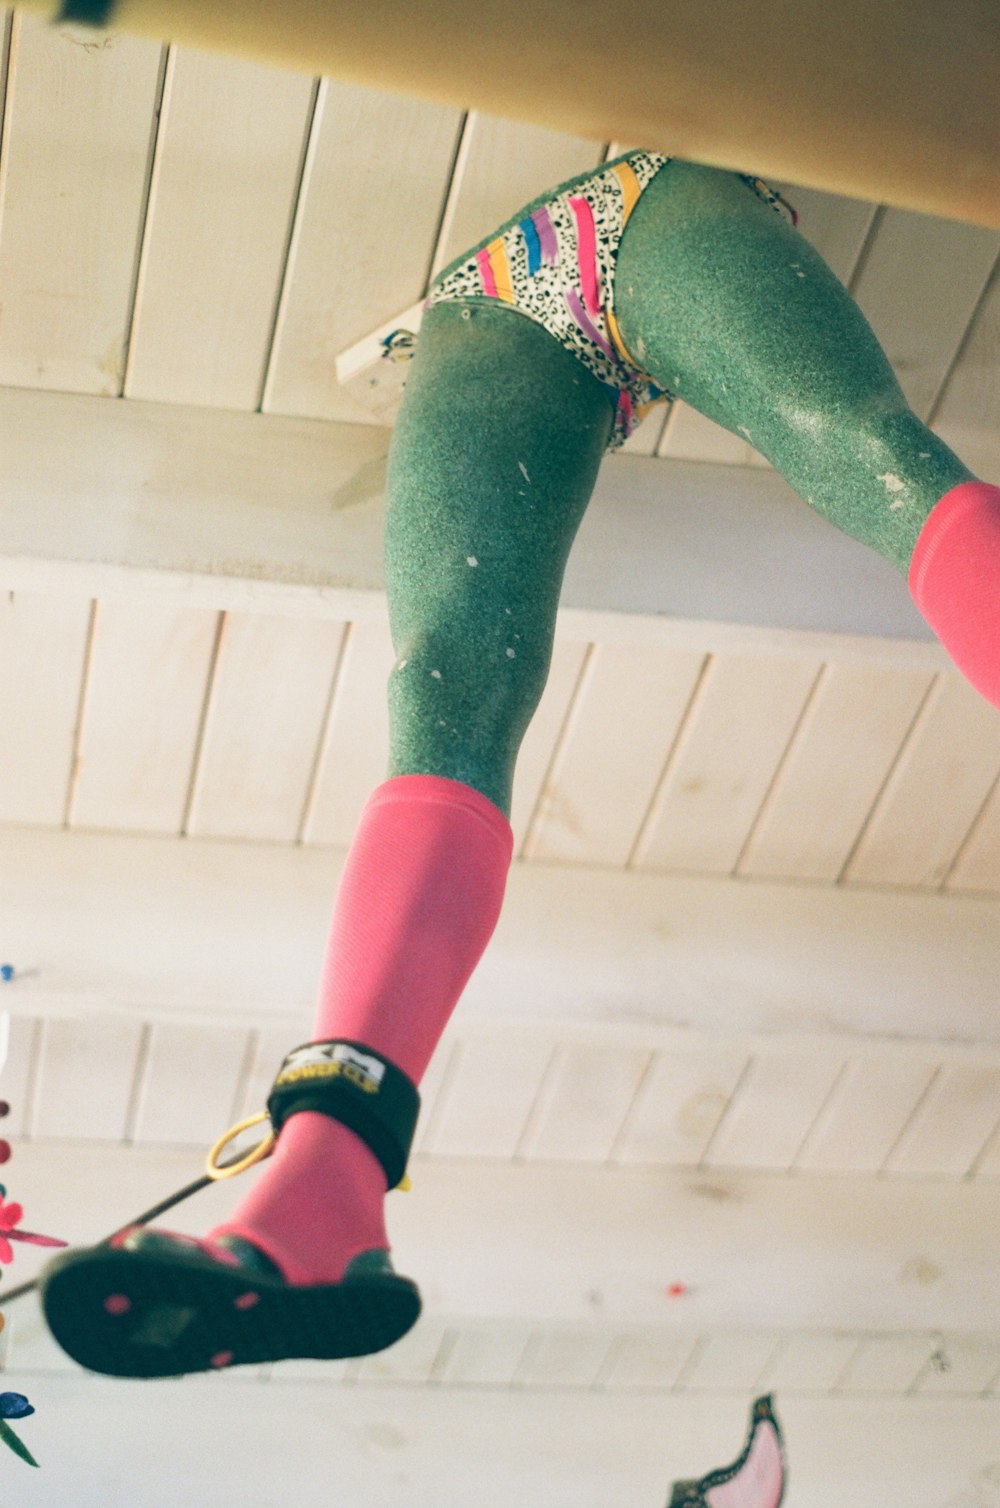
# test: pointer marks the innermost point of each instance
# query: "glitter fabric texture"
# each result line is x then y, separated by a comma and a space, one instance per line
729, 307
502, 430
488, 481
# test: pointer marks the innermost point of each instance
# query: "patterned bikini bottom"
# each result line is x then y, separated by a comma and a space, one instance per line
555, 262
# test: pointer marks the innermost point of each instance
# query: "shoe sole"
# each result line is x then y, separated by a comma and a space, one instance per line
130, 1314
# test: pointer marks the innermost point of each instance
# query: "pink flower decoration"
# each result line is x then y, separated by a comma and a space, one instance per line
10, 1214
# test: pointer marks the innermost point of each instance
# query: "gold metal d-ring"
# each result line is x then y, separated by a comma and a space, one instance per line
256, 1154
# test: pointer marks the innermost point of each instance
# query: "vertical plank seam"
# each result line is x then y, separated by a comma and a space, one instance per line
613, 1158
521, 1376
537, 820
695, 697
616, 1347
866, 249
541, 1101
239, 1107
687, 1367
658, 421
456, 178
11, 28
841, 1382
32, 1079
962, 347
770, 794
917, 1110
781, 1351
140, 1083
81, 710
160, 107
994, 1138
33, 1097
826, 1101
924, 1368
594, 1385
292, 235
294, 239
935, 1342
670, 422
442, 1356
738, 1091
778, 1345
966, 843
916, 722
438, 1110
202, 728
308, 810
449, 198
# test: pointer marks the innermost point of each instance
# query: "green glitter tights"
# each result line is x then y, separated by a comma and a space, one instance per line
494, 458
722, 302
502, 431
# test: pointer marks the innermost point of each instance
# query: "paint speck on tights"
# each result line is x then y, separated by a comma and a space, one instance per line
744, 431
471, 560
402, 664
891, 482
512, 654
524, 471
436, 674
925, 455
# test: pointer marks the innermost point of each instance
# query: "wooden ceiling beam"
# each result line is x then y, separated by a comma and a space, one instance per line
271, 514
896, 103
436, 1446
211, 931
597, 1248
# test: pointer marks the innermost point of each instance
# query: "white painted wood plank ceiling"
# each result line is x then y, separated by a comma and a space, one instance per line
179, 230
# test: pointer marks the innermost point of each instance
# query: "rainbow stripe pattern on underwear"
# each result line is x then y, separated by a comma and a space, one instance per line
555, 263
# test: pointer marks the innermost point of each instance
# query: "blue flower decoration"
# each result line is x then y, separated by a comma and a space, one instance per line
14, 1406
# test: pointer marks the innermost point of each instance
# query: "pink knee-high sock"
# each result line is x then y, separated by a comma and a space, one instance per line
418, 901
954, 579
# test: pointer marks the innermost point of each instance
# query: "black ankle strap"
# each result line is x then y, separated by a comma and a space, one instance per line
353, 1084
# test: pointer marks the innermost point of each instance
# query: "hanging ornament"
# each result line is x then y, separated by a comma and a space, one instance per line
15, 1406
755, 1480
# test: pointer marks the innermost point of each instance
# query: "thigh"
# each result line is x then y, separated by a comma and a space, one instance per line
493, 461
726, 305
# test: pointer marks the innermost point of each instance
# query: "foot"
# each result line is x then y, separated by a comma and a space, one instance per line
151, 1304
315, 1204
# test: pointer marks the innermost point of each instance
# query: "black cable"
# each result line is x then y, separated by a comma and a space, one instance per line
143, 1219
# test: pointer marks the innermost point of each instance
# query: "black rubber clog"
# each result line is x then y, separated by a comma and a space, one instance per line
151, 1304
